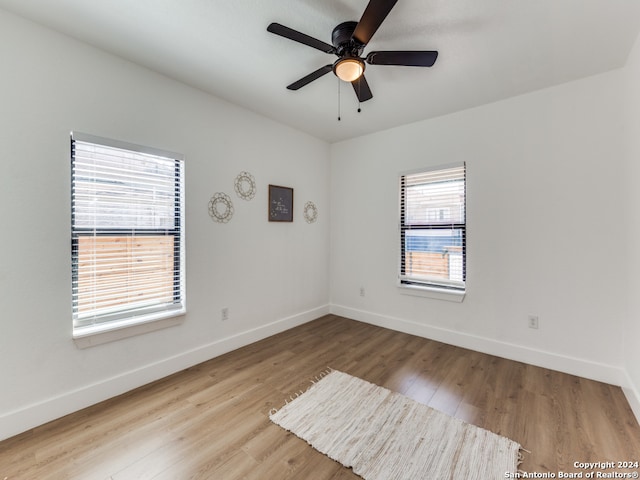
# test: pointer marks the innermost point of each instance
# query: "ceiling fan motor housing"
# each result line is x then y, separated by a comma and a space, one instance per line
341, 39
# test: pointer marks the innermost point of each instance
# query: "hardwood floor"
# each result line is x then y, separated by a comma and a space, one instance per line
211, 421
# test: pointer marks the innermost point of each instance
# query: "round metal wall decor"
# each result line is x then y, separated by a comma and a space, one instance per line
221, 207
245, 186
310, 212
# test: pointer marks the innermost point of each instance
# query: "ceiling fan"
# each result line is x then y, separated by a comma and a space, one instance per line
349, 40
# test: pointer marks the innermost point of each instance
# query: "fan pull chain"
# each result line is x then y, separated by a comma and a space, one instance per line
339, 100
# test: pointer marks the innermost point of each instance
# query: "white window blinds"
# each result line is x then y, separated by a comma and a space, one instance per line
433, 228
127, 232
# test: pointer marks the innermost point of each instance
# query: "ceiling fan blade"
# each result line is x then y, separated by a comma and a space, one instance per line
371, 19
299, 37
406, 58
361, 87
310, 78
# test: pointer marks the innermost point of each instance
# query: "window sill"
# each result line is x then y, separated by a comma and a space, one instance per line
90, 336
432, 292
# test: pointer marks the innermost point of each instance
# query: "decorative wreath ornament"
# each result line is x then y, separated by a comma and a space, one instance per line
245, 186
310, 212
221, 207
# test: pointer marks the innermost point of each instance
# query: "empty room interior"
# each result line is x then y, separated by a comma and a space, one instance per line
303, 233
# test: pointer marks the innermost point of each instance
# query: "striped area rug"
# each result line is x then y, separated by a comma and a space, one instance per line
383, 435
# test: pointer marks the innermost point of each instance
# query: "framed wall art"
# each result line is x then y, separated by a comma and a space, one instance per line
280, 204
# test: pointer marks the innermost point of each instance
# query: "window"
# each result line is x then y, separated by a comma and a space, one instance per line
432, 229
127, 234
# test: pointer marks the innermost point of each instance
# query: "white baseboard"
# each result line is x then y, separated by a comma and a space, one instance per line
36, 414
553, 361
633, 397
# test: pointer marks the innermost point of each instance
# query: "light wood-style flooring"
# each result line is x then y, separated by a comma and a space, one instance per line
211, 421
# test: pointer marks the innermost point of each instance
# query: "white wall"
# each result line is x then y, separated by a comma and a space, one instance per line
632, 325
546, 227
270, 276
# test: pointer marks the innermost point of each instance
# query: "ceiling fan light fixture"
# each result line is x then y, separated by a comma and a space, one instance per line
348, 69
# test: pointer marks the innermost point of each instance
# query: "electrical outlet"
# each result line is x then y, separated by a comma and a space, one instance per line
362, 291
533, 321
224, 313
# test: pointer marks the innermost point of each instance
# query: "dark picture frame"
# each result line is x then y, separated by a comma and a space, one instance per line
280, 204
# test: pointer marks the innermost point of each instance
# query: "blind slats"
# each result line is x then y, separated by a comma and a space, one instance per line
433, 228
127, 232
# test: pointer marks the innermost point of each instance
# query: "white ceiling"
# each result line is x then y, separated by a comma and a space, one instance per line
488, 50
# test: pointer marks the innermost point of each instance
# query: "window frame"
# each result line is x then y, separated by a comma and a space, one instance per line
138, 319
428, 288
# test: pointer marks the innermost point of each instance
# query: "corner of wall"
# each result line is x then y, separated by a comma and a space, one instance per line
631, 330
633, 397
